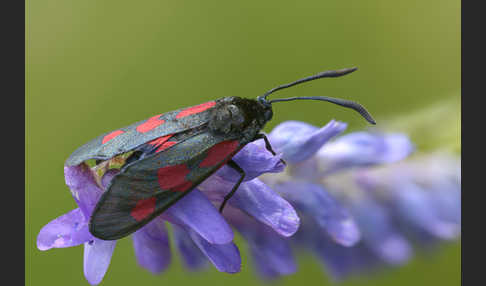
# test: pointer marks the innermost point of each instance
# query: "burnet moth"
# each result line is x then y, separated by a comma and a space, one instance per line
172, 153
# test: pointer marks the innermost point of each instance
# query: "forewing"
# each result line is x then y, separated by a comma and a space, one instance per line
125, 139
145, 188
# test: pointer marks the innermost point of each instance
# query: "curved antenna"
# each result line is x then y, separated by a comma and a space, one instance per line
333, 73
342, 102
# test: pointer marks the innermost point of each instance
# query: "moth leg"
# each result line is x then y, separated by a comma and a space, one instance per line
267, 145
234, 166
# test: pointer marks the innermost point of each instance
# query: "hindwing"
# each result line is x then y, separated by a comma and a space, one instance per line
145, 188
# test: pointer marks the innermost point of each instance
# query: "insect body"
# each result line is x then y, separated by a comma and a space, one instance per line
176, 151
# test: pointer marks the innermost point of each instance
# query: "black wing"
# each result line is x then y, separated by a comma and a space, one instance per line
145, 188
126, 139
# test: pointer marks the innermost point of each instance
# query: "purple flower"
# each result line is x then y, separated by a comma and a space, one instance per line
261, 216
201, 233
298, 141
361, 202
429, 185
356, 202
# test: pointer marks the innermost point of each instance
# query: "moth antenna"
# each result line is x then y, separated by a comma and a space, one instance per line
332, 73
342, 102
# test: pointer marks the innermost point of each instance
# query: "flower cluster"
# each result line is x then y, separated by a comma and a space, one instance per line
344, 200
361, 205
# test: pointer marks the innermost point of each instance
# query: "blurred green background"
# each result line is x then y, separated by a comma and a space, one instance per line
94, 66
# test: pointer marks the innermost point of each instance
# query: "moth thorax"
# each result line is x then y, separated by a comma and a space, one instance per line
227, 118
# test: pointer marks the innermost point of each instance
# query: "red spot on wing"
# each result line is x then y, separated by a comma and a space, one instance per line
219, 152
165, 146
174, 178
111, 136
162, 143
150, 124
184, 187
159, 141
143, 209
195, 109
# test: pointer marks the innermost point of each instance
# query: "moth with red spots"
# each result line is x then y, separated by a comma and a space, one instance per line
173, 153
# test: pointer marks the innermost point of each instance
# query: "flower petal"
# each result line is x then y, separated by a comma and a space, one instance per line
225, 257
342, 261
108, 176
298, 141
317, 204
255, 160
262, 203
339, 260
343, 229
256, 199
424, 215
394, 249
195, 211
379, 234
97, 257
447, 201
434, 200
273, 258
271, 253
80, 180
363, 149
398, 147
151, 244
192, 257
68, 230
